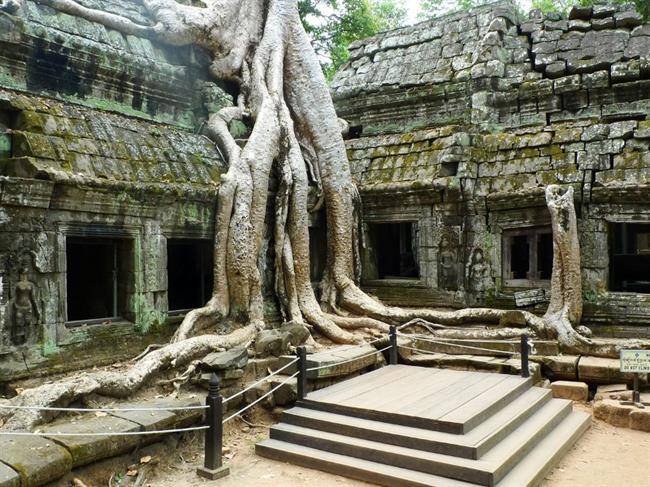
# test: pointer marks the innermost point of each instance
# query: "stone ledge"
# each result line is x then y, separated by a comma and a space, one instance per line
614, 413
8, 476
37, 460
88, 449
576, 391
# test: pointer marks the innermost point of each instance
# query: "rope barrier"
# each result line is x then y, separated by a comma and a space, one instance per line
259, 398
125, 433
101, 410
263, 379
459, 345
349, 360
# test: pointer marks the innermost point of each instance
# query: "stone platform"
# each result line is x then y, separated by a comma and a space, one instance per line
412, 426
38, 460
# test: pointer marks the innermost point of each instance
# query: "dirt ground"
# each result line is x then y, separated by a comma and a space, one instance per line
605, 456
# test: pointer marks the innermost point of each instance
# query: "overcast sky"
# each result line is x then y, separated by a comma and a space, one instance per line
413, 7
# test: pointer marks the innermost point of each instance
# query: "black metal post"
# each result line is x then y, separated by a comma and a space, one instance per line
213, 467
636, 393
302, 372
392, 351
524, 356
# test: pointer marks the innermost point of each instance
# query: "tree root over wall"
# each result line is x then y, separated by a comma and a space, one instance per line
296, 137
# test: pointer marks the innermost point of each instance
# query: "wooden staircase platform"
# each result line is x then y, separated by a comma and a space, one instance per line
407, 425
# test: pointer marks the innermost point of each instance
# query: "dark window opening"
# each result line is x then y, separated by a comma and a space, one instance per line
189, 273
98, 271
545, 255
355, 132
630, 257
519, 257
527, 256
448, 169
317, 252
395, 247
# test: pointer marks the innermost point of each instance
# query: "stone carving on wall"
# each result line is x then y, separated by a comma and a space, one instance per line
22, 312
448, 261
478, 270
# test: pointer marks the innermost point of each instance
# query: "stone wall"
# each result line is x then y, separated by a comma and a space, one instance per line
460, 122
98, 139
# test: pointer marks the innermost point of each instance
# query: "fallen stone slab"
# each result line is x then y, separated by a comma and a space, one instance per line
37, 460
235, 358
610, 391
559, 367
576, 391
8, 476
623, 415
88, 449
148, 420
184, 417
597, 370
355, 358
640, 419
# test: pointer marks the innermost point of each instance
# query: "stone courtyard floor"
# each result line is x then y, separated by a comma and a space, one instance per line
605, 456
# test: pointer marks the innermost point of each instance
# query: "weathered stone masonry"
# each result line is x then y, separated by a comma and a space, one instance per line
98, 147
457, 125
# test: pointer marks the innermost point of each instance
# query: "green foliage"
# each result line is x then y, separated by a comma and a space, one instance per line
563, 6
334, 24
436, 8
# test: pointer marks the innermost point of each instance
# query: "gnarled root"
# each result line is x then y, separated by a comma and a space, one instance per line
117, 384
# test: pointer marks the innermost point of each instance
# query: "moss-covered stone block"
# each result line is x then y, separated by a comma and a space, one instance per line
87, 449
8, 476
37, 460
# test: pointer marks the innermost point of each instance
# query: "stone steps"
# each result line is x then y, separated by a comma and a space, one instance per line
464, 428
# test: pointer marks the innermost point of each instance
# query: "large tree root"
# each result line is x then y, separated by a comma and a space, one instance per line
116, 384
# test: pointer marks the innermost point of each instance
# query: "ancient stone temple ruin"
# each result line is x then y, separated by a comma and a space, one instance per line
456, 126
108, 191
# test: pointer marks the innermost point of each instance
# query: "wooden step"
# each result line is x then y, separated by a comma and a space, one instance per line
441, 400
485, 471
532, 469
515, 446
351, 467
471, 445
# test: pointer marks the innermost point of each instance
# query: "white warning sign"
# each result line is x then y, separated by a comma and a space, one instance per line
635, 361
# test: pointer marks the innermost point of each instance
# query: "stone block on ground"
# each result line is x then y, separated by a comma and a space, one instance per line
610, 391
37, 460
148, 420
235, 358
623, 415
184, 417
355, 358
598, 370
88, 449
576, 391
640, 419
8, 476
560, 367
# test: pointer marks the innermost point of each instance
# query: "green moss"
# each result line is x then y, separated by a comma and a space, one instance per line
49, 348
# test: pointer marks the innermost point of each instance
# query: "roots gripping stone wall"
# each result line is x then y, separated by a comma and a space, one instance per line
296, 138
